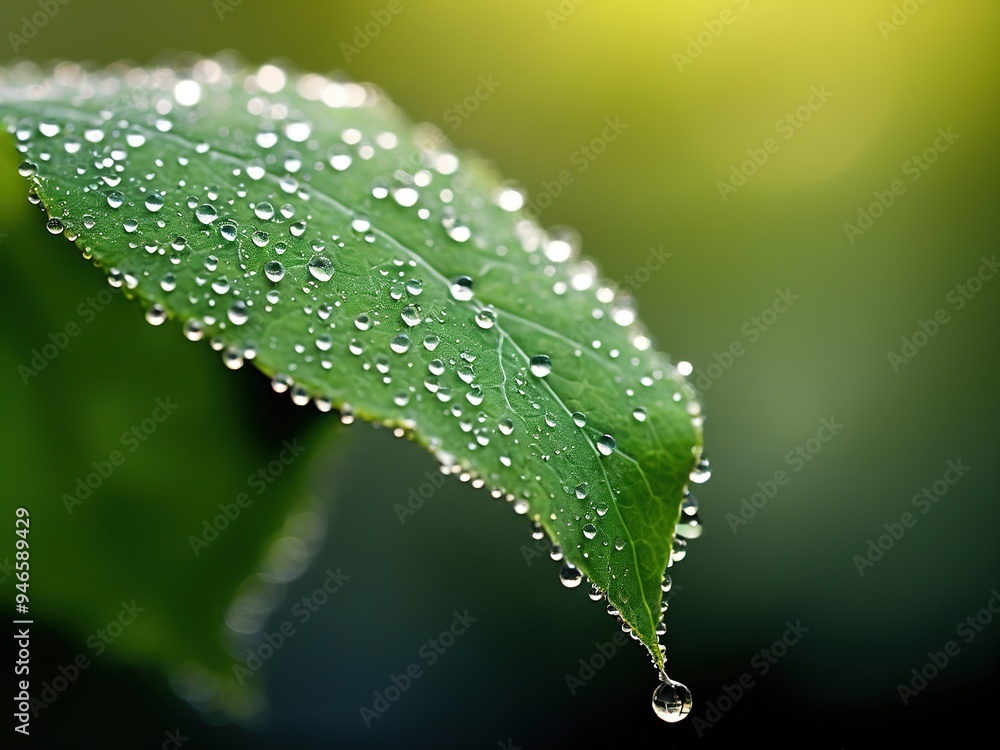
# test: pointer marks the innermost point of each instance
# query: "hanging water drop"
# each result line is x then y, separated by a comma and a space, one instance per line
155, 315
701, 472
570, 576
671, 701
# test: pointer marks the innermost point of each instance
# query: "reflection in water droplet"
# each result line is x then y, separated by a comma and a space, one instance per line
461, 288
206, 213
570, 576
701, 472
486, 319
541, 365
671, 701
274, 270
321, 268
606, 444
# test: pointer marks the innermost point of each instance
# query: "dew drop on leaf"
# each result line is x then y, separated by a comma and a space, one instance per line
541, 365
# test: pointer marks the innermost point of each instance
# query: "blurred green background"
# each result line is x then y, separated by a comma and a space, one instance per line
700, 88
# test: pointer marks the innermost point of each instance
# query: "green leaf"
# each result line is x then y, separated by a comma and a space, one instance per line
304, 224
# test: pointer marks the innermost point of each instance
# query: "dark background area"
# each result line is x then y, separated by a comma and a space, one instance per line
562, 69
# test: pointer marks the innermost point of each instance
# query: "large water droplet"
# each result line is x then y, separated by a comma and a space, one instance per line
671, 701
541, 365
321, 268
206, 213
410, 315
486, 319
570, 576
701, 472
274, 270
461, 288
606, 444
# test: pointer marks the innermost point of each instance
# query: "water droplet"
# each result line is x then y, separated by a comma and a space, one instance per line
410, 315
400, 343
461, 288
363, 322
206, 213
579, 418
671, 701
414, 286
154, 202
405, 196
264, 211
115, 199
701, 472
486, 319
194, 330
54, 225
589, 531
639, 413
431, 342
541, 365
506, 426
570, 576
581, 491
233, 358
690, 505
237, 313
274, 270
27, 169
679, 549
321, 268
155, 315
606, 444
267, 139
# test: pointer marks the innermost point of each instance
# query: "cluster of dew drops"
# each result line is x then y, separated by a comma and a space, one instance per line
671, 700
